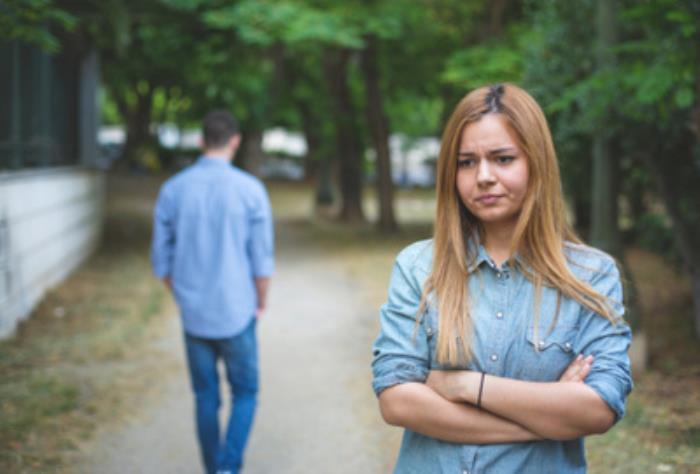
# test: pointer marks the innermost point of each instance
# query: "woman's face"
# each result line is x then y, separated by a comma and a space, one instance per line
492, 171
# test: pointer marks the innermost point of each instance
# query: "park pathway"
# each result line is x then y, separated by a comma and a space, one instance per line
316, 414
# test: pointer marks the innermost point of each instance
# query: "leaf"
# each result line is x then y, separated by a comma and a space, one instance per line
684, 97
482, 64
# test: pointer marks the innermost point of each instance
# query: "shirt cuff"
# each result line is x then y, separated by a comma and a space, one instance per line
401, 372
609, 392
161, 272
264, 267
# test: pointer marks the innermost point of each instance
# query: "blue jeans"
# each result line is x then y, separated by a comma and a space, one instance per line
240, 356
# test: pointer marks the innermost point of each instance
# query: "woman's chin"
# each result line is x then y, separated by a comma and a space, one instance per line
497, 218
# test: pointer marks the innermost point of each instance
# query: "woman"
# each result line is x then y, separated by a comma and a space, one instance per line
502, 342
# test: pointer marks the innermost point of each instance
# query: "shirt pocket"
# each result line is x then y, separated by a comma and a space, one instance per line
547, 356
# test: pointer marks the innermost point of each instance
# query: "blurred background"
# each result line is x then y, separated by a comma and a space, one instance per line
341, 105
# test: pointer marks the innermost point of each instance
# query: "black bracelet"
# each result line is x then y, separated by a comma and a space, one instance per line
481, 390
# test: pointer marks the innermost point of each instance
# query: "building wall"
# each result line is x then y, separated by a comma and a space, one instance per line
50, 221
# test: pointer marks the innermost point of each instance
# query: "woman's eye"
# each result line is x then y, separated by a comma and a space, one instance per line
465, 163
505, 159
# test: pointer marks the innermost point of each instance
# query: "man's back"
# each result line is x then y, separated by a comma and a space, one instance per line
213, 237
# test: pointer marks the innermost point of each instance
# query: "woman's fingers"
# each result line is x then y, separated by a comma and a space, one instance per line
571, 370
585, 370
578, 370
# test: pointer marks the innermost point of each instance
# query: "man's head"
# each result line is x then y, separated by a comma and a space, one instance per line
220, 133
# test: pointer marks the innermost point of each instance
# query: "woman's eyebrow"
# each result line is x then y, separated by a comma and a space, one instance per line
495, 151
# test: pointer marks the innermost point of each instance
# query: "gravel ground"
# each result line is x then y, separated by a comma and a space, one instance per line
316, 414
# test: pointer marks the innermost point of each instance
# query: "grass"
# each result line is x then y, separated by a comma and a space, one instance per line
70, 364
85, 353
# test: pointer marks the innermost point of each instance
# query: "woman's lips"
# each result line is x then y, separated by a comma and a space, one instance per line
489, 199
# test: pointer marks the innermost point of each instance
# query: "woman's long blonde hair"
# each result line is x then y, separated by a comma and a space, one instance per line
540, 231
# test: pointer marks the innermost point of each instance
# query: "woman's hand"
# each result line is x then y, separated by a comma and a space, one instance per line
454, 385
578, 370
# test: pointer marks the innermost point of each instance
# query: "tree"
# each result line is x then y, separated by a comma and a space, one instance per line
31, 21
301, 29
348, 142
647, 103
660, 81
143, 48
605, 229
379, 129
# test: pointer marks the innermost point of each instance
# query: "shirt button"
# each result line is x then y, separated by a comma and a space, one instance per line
465, 472
568, 346
499, 315
499, 275
494, 357
541, 343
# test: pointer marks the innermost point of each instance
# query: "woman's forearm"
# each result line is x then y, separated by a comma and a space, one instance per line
417, 407
554, 410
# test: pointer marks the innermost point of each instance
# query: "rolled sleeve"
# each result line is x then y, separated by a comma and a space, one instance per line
261, 243
163, 240
608, 343
400, 352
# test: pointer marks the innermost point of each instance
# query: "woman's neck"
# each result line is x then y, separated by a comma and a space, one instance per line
497, 241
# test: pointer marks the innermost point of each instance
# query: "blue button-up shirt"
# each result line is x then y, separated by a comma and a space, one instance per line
212, 235
506, 344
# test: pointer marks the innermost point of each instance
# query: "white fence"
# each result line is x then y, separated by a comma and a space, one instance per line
50, 221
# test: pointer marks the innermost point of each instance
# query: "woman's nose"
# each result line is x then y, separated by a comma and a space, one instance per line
484, 172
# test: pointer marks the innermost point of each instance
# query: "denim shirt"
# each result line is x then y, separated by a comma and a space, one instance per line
506, 345
213, 236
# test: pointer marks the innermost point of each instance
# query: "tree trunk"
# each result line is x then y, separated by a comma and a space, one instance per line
317, 165
311, 133
695, 286
604, 210
605, 231
137, 118
379, 130
582, 215
324, 184
346, 134
694, 267
496, 12
673, 179
251, 155
683, 228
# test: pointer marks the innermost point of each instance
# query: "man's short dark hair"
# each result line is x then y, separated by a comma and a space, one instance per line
218, 127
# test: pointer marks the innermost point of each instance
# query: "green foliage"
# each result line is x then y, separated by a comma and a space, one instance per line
31, 21
264, 23
109, 114
488, 62
265, 60
414, 115
656, 235
644, 99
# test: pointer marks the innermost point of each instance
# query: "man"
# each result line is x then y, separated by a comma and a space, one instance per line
213, 247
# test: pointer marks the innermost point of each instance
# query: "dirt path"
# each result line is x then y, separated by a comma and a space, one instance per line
316, 413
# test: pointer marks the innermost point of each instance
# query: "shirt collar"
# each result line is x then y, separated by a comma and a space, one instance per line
478, 251
481, 257
477, 248
212, 161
